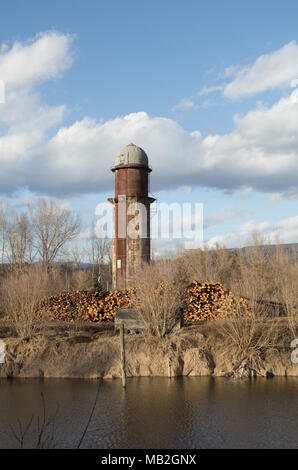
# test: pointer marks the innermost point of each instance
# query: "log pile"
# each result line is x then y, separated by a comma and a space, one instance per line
83, 305
108, 304
209, 301
203, 301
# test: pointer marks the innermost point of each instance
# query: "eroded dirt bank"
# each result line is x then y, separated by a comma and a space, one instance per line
195, 351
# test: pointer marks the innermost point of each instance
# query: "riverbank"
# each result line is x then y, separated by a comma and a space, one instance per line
235, 348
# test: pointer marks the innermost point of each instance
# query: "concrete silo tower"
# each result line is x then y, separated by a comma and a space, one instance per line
131, 242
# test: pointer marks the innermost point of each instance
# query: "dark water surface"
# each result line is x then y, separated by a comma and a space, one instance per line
191, 412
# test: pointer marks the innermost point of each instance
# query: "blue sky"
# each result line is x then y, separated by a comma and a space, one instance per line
206, 88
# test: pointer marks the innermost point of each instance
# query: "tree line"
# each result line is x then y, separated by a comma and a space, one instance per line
46, 232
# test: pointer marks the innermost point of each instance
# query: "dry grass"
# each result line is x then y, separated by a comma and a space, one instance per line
22, 291
19, 295
80, 279
268, 279
246, 339
158, 298
205, 265
253, 273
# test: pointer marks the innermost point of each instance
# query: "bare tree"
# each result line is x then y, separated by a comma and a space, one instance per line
52, 227
76, 254
100, 256
100, 251
19, 240
3, 230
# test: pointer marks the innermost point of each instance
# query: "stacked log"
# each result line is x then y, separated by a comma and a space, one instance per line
211, 300
203, 301
105, 309
83, 305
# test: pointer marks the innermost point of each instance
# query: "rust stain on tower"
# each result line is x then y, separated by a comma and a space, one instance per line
131, 242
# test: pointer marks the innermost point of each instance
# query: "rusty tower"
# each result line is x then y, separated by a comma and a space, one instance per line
131, 241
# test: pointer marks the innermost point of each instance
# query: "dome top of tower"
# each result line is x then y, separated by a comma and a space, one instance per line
131, 155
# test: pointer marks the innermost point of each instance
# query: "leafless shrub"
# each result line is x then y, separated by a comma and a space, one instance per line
246, 339
206, 265
20, 294
270, 277
57, 280
288, 292
80, 279
158, 298
267, 276
258, 273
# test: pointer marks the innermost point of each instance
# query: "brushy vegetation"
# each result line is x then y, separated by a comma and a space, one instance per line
158, 298
251, 284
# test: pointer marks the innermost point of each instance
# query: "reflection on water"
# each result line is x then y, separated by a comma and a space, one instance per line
189, 412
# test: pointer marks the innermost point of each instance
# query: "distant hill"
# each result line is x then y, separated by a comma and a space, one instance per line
290, 248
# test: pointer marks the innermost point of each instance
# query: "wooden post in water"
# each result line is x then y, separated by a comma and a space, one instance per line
122, 351
170, 369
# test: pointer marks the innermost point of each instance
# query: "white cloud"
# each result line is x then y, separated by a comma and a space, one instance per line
184, 105
187, 190
24, 118
188, 104
208, 90
223, 215
285, 231
261, 153
275, 70
289, 195
42, 58
239, 236
245, 192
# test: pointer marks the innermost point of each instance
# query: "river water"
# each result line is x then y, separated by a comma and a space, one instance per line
189, 412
